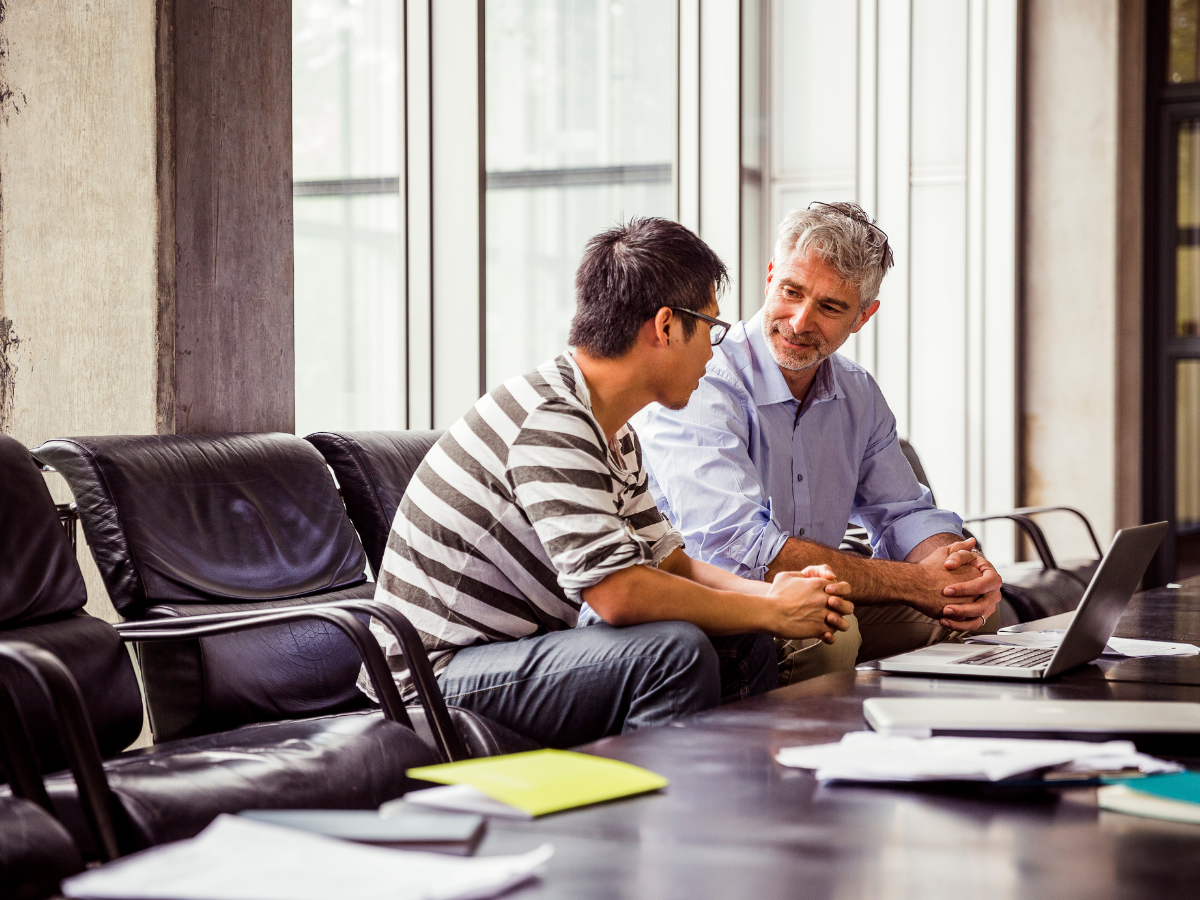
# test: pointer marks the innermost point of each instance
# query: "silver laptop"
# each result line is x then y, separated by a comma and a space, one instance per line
1103, 603
1109, 719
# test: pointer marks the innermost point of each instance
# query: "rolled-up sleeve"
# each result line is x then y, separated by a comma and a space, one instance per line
705, 483
896, 510
562, 482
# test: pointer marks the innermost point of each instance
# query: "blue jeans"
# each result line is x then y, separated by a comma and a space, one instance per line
570, 687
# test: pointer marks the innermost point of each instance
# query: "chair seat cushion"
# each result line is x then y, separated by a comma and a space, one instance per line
172, 791
36, 852
261, 675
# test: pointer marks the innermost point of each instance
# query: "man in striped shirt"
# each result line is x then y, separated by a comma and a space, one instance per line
536, 502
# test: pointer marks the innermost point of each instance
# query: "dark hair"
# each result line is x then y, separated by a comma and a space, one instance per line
630, 272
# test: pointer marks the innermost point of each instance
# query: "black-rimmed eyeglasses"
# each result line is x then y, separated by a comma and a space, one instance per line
717, 329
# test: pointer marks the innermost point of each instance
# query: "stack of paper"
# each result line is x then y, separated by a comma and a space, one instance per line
1174, 797
1115, 647
869, 756
402, 828
524, 785
240, 859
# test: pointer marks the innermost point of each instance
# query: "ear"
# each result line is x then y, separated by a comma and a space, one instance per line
865, 317
770, 275
658, 330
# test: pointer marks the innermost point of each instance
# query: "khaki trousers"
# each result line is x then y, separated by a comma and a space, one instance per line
875, 632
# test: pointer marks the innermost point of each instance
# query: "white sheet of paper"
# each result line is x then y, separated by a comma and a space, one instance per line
241, 859
869, 756
1116, 646
460, 798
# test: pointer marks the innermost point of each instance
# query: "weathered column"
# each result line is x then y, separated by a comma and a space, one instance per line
145, 220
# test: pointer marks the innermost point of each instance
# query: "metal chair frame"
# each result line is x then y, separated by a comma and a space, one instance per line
85, 762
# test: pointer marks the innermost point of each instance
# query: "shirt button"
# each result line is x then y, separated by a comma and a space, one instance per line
799, 477
801, 532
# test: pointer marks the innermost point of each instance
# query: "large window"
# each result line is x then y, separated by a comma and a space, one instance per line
581, 134
350, 360
1172, 373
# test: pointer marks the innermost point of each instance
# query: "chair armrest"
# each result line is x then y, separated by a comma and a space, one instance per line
17, 759
79, 738
1034, 510
449, 743
1031, 530
366, 645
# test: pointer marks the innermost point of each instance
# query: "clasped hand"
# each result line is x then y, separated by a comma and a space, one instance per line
813, 603
959, 571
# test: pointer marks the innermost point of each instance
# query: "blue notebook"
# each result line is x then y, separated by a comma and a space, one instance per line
1181, 786
1172, 797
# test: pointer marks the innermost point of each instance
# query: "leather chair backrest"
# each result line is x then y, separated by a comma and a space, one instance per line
914, 462
42, 595
373, 469
39, 575
208, 518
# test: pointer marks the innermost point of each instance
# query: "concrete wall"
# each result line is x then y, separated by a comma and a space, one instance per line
77, 181
1081, 266
78, 232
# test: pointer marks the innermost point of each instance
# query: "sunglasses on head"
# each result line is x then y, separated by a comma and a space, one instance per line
861, 219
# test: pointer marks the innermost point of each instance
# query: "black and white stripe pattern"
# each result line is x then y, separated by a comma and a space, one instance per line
515, 511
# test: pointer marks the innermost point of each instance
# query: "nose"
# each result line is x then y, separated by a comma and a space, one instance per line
800, 319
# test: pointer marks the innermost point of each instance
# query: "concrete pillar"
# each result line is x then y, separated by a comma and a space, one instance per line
146, 190
1081, 273
145, 221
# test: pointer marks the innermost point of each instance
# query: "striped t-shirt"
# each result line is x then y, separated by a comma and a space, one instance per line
516, 510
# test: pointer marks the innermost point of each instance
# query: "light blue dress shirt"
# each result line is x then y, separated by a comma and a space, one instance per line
744, 467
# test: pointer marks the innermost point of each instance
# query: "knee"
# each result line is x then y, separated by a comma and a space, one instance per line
683, 645
686, 664
846, 645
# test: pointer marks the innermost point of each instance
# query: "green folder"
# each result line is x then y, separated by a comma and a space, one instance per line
545, 781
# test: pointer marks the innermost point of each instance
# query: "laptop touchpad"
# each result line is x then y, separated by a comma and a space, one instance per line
945, 653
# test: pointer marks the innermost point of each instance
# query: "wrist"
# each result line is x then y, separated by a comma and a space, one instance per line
765, 612
921, 587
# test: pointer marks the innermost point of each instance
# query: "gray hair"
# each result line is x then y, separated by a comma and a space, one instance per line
845, 237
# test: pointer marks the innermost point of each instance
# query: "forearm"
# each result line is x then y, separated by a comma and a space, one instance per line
679, 563
873, 581
930, 544
641, 594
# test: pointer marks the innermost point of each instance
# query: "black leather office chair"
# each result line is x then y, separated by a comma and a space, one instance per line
373, 469
205, 529
70, 673
36, 852
185, 525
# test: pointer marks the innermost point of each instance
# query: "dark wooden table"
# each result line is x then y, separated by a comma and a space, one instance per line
735, 824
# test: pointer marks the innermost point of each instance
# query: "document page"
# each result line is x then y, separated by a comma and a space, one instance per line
240, 859
869, 756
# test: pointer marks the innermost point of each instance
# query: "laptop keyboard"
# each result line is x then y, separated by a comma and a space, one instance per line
1017, 657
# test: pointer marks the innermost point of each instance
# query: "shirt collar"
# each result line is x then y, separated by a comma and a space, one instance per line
577, 384
769, 384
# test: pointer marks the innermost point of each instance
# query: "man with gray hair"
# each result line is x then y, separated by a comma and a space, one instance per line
786, 441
